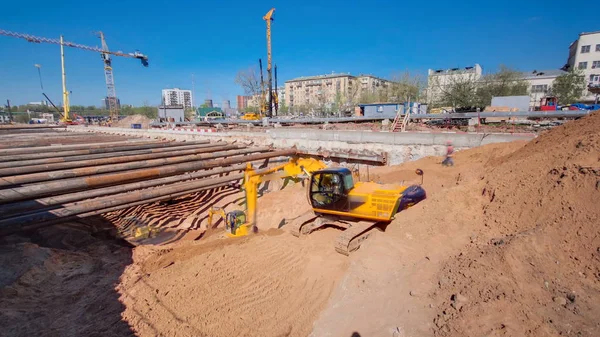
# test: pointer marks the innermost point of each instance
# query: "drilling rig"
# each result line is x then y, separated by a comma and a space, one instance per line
268, 18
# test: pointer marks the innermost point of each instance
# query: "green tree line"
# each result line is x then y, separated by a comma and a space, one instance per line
148, 111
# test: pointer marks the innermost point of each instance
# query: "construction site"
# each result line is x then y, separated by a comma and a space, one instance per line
270, 226
108, 233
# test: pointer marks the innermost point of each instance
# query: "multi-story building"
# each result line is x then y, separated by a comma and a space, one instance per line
254, 101
440, 80
584, 54
540, 84
281, 94
178, 96
242, 102
324, 90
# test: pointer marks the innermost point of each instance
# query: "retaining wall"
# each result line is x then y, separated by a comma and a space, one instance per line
400, 146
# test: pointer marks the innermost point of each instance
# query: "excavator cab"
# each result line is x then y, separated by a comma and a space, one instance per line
234, 223
329, 189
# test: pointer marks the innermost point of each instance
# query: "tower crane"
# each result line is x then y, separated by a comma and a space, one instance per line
110, 84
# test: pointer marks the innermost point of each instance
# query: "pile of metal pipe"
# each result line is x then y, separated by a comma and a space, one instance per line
27, 227
46, 185
55, 151
123, 158
37, 190
68, 147
125, 198
45, 202
108, 168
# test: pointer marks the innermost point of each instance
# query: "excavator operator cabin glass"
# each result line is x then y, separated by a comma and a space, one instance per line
327, 189
348, 182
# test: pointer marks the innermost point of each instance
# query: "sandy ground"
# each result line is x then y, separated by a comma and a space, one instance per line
507, 244
133, 119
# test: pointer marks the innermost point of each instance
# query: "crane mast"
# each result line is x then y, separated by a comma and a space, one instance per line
111, 94
268, 18
66, 105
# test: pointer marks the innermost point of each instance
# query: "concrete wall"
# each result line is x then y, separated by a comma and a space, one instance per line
401, 147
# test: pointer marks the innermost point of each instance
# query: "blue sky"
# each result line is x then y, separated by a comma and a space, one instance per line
215, 39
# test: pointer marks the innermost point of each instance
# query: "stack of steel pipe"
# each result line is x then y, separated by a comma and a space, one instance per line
57, 183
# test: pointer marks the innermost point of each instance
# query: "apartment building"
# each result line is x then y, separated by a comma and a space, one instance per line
177, 96
540, 84
584, 54
324, 90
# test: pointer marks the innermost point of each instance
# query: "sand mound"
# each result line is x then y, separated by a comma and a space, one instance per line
61, 283
133, 119
268, 285
534, 269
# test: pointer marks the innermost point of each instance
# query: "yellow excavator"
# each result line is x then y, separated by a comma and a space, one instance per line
241, 223
356, 207
336, 200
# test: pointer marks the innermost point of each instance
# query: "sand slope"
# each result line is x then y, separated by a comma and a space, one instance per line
535, 270
269, 285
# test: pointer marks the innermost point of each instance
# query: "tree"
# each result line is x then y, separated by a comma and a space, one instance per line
456, 91
249, 81
506, 82
189, 113
283, 108
569, 87
463, 89
404, 87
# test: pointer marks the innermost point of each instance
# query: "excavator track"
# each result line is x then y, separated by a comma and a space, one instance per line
351, 239
297, 226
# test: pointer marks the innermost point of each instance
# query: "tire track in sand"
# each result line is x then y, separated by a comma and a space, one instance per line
264, 285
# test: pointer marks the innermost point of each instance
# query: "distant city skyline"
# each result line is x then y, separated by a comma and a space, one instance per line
515, 35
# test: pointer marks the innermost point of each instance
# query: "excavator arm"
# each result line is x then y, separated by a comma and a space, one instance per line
215, 211
295, 168
239, 223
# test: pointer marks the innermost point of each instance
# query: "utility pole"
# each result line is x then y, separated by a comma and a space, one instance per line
276, 93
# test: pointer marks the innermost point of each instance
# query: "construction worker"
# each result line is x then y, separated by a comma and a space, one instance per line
449, 151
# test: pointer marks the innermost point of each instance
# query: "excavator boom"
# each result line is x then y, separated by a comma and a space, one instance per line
240, 223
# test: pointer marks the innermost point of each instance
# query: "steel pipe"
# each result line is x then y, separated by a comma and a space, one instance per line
13, 171
28, 206
8, 231
75, 208
33, 127
92, 170
55, 148
105, 155
109, 149
68, 185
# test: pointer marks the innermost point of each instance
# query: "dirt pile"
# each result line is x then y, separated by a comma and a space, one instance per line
133, 119
268, 285
61, 282
385, 291
533, 267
